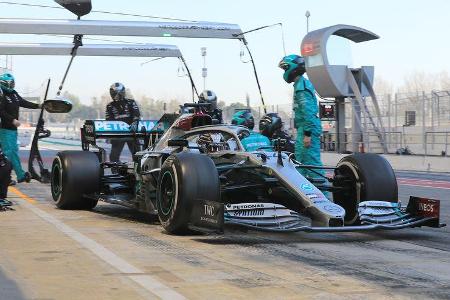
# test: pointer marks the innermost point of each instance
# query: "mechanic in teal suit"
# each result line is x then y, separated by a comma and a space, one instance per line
306, 119
10, 102
255, 140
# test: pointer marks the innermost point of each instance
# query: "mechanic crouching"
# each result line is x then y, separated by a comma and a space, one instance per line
306, 120
125, 110
271, 126
255, 140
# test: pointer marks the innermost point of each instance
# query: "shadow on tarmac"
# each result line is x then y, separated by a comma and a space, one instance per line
126, 214
9, 289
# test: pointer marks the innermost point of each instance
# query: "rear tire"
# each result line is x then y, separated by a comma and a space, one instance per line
75, 174
372, 179
184, 178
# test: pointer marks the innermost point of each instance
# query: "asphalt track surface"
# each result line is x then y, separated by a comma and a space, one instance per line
115, 253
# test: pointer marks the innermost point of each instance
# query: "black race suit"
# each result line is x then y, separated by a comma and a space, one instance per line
126, 111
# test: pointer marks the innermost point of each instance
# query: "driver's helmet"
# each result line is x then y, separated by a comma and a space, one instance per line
7, 82
269, 124
243, 118
208, 96
117, 91
209, 144
293, 66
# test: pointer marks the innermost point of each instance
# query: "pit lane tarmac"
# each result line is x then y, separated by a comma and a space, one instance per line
115, 253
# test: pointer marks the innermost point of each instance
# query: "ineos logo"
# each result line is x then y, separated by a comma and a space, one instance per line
426, 207
209, 210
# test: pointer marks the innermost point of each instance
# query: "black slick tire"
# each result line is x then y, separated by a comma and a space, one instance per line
75, 174
371, 178
184, 178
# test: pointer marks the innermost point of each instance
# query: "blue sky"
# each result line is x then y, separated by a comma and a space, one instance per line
413, 37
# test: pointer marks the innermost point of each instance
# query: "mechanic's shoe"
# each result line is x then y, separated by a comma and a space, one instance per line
4, 202
12, 183
26, 178
5, 205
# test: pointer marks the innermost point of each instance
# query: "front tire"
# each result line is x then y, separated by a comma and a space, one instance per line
368, 177
184, 178
75, 174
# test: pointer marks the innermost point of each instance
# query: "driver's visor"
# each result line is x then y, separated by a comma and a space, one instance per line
283, 65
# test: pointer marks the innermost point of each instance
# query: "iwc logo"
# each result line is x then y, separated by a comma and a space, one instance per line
209, 210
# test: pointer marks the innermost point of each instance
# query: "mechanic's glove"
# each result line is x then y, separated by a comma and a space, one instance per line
134, 127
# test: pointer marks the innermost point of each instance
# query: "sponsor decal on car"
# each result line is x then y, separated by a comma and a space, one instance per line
247, 206
207, 214
307, 187
119, 126
424, 207
246, 210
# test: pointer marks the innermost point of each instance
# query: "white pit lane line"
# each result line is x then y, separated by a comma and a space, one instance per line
148, 282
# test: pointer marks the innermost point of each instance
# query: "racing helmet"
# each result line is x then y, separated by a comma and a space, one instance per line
7, 82
243, 118
117, 91
208, 96
269, 124
293, 66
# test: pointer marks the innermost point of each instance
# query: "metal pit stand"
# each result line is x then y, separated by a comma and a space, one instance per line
341, 82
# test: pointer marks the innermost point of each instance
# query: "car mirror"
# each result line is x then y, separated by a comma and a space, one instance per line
178, 143
57, 106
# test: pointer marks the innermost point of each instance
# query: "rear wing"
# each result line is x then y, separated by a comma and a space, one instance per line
164, 123
148, 130
94, 130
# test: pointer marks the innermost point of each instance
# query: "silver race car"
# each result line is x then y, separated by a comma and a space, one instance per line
195, 175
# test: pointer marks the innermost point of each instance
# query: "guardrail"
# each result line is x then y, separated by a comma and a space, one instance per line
434, 143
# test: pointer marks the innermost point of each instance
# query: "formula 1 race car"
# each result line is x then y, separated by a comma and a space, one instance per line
195, 175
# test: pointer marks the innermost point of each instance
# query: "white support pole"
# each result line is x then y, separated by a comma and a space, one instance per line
204, 69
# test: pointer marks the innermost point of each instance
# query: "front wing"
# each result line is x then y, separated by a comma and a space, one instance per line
374, 215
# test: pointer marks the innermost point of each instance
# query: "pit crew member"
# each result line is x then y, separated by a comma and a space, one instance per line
271, 126
210, 97
10, 102
306, 120
255, 140
125, 110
